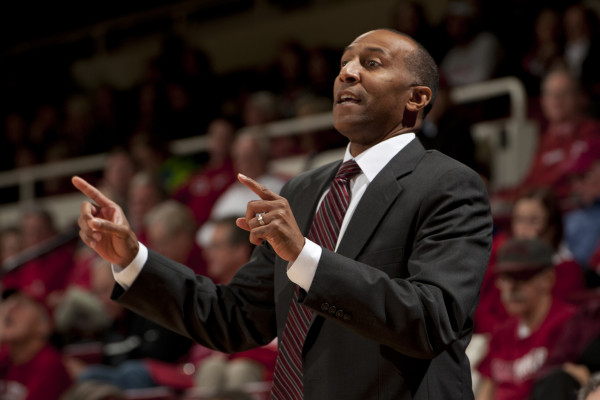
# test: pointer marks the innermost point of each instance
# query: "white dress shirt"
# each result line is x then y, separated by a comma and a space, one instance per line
302, 270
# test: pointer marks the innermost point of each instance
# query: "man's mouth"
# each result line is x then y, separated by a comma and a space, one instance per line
347, 98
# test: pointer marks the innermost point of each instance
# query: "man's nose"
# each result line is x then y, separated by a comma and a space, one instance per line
350, 72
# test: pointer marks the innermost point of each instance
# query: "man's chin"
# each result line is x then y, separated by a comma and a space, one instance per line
347, 124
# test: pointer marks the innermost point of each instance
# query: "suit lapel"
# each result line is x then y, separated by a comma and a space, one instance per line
377, 199
310, 194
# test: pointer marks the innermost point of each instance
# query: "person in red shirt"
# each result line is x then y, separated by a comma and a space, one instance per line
519, 347
568, 134
47, 274
30, 368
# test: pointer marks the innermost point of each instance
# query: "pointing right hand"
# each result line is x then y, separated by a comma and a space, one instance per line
104, 228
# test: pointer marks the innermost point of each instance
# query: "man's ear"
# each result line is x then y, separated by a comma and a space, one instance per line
420, 97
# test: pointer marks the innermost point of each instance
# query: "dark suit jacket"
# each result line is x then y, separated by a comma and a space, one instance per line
393, 307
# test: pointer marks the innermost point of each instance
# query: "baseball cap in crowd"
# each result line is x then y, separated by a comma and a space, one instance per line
521, 259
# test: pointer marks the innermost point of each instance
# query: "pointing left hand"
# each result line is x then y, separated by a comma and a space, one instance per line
276, 225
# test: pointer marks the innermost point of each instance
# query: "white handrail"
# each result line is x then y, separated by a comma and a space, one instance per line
509, 85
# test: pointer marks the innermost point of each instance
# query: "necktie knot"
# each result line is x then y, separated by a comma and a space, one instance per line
348, 170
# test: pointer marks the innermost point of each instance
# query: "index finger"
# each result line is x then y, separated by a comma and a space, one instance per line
260, 190
91, 192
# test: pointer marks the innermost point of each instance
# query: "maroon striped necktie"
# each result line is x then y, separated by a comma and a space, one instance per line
287, 378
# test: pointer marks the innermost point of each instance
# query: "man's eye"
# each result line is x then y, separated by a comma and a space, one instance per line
343, 64
372, 63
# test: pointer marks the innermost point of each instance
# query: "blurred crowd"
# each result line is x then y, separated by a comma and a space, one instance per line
61, 337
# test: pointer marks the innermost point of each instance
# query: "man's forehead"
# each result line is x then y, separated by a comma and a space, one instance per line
382, 40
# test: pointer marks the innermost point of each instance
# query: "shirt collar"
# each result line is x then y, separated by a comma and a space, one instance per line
372, 160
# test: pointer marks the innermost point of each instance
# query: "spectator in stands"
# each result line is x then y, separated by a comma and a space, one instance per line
30, 368
574, 358
171, 231
116, 177
46, 272
260, 108
519, 347
204, 187
475, 55
568, 134
535, 214
145, 192
228, 250
251, 155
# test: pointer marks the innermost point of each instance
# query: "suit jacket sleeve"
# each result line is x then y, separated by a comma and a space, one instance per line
229, 318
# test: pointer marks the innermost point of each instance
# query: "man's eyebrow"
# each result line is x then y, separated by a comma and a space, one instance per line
371, 49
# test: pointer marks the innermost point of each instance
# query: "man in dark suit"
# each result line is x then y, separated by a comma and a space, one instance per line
392, 303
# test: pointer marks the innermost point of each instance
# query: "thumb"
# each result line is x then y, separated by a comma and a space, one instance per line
241, 223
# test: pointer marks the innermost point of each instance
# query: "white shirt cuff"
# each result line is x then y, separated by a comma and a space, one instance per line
302, 271
126, 276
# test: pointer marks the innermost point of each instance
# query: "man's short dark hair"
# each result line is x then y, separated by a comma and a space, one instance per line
423, 67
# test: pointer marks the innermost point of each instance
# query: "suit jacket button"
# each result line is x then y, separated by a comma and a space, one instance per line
325, 307
332, 310
339, 314
347, 317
